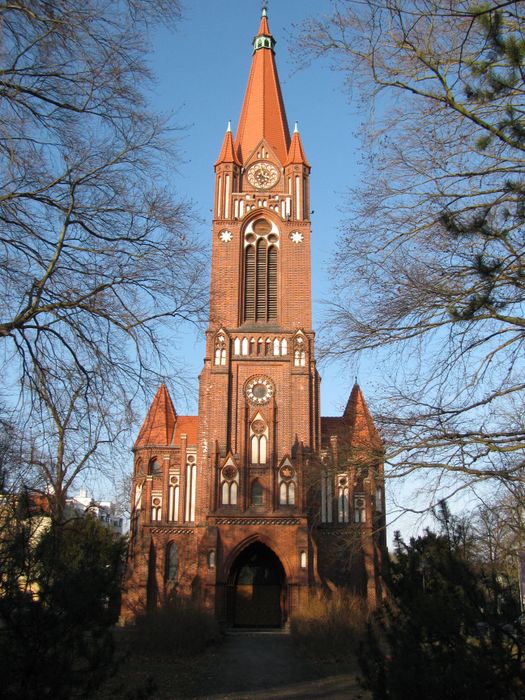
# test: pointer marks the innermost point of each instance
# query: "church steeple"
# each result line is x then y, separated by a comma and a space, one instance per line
227, 154
159, 424
263, 114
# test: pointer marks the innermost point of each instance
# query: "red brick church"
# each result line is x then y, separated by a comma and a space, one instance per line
258, 501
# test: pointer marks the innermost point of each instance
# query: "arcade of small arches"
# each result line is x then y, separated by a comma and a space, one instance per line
263, 346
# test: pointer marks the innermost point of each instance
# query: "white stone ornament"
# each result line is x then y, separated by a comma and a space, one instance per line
259, 390
226, 236
296, 237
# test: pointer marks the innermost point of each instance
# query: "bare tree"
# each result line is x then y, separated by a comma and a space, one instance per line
431, 268
97, 258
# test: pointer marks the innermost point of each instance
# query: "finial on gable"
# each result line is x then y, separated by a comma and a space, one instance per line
296, 128
229, 127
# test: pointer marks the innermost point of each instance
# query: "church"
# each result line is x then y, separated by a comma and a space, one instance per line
258, 502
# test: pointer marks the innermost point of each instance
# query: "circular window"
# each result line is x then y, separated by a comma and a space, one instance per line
191, 459
250, 237
286, 473
174, 480
273, 238
229, 472
156, 501
259, 390
262, 227
258, 427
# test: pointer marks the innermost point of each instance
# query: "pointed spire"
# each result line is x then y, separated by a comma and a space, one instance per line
296, 154
264, 30
227, 154
263, 114
159, 424
362, 429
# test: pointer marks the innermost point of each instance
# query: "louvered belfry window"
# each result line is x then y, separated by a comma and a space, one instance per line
260, 282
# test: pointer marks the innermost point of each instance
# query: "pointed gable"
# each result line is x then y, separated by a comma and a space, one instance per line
263, 114
159, 425
360, 424
296, 154
227, 154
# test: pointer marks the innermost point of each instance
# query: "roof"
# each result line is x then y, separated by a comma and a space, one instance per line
296, 152
355, 428
159, 423
189, 426
360, 422
227, 154
263, 114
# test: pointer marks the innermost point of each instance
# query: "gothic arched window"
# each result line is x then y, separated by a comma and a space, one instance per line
260, 281
258, 441
257, 494
220, 350
155, 467
172, 562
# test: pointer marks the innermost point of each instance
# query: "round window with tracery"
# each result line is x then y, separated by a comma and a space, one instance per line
258, 427
156, 501
229, 472
286, 473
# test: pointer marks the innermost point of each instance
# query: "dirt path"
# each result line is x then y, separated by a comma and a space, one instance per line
252, 665
268, 665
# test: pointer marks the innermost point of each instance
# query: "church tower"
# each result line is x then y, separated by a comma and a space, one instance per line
256, 501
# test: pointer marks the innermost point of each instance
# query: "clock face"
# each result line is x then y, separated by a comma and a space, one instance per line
263, 175
259, 390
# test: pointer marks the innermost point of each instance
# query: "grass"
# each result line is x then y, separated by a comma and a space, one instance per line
331, 627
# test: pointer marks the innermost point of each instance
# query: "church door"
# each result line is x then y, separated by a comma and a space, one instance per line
258, 588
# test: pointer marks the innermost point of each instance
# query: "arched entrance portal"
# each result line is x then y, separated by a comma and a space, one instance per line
257, 588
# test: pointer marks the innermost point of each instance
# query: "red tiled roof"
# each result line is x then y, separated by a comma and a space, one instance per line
159, 423
227, 154
189, 426
361, 424
296, 152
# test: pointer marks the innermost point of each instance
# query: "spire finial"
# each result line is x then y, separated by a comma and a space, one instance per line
264, 9
296, 128
229, 128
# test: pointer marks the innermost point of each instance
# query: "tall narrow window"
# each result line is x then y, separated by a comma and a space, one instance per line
172, 562
173, 500
261, 281
326, 497
249, 284
272, 283
359, 509
257, 494
230, 484
259, 441
342, 499
191, 488
260, 273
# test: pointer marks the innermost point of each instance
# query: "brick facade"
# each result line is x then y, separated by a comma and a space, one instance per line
257, 495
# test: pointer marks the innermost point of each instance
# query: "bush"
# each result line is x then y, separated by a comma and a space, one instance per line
179, 627
331, 627
57, 606
445, 631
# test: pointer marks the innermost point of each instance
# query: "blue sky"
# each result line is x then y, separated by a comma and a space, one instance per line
201, 70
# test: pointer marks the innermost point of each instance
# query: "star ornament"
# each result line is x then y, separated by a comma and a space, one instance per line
226, 236
296, 237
